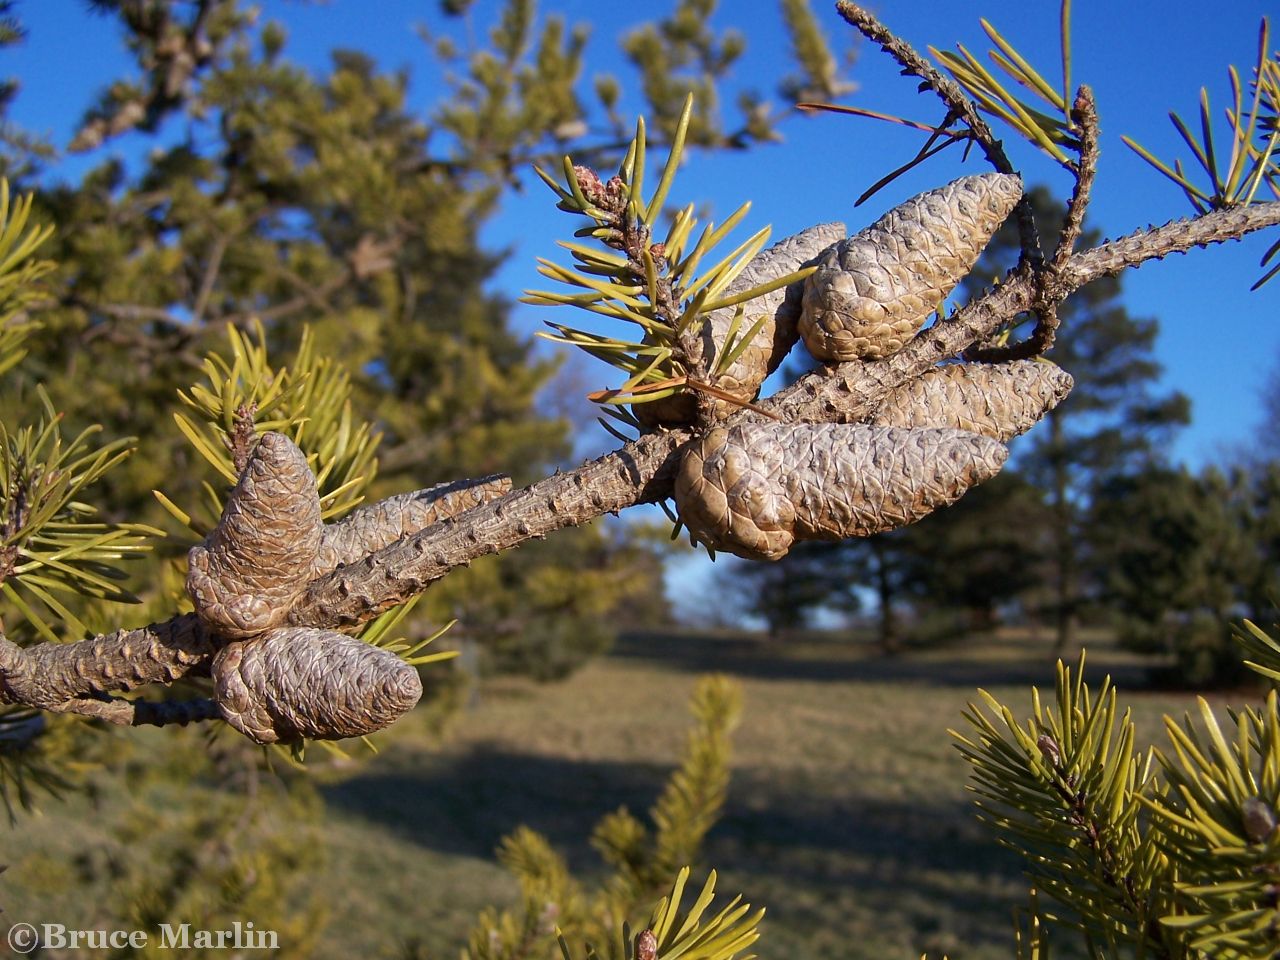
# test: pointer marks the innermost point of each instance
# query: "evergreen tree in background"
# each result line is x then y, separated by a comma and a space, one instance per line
280, 196
1114, 421
1168, 551
295, 197
987, 553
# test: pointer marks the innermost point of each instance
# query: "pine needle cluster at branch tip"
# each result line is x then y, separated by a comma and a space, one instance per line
20, 273
1184, 866
1064, 789
309, 401
1216, 823
1057, 133
1254, 131
667, 288
675, 935
1262, 648
52, 544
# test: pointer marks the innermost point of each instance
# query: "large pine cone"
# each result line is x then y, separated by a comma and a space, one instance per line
301, 682
754, 489
258, 559
873, 291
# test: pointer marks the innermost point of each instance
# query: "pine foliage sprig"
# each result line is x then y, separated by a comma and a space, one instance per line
1235, 177
53, 545
553, 904
685, 934
33, 748
1217, 823
820, 74
1054, 132
1048, 119
1064, 790
665, 288
690, 803
1262, 649
309, 401
20, 272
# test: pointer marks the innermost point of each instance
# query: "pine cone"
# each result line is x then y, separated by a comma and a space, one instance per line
772, 342
302, 682
754, 489
873, 291
256, 562
999, 401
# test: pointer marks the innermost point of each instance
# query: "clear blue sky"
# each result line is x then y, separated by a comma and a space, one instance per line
1218, 342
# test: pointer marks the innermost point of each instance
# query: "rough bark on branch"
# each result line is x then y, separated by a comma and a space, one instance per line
51, 676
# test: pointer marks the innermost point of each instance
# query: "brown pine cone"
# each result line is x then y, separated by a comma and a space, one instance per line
754, 489
258, 559
872, 292
296, 683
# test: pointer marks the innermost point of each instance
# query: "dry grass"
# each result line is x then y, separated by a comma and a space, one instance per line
847, 814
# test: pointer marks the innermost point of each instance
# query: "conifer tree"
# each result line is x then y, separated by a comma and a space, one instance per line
1114, 421
880, 436
324, 198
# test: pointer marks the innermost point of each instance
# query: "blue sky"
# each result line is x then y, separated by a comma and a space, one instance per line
1218, 343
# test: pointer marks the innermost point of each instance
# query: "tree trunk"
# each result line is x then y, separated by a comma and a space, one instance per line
1064, 543
889, 645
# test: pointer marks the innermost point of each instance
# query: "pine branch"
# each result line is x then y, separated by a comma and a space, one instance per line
640, 472
1085, 113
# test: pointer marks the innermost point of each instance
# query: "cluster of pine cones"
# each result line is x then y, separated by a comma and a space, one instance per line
753, 489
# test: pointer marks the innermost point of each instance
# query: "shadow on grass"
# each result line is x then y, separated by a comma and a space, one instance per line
777, 844
832, 661
465, 803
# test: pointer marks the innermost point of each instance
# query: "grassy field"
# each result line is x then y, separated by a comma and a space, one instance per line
847, 814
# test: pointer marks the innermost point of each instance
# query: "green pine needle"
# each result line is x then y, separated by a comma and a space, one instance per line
633, 280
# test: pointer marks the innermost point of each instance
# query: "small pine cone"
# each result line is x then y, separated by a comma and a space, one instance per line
772, 342
873, 291
999, 401
303, 682
754, 489
374, 527
258, 559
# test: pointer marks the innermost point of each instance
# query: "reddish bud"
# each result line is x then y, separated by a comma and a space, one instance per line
590, 183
